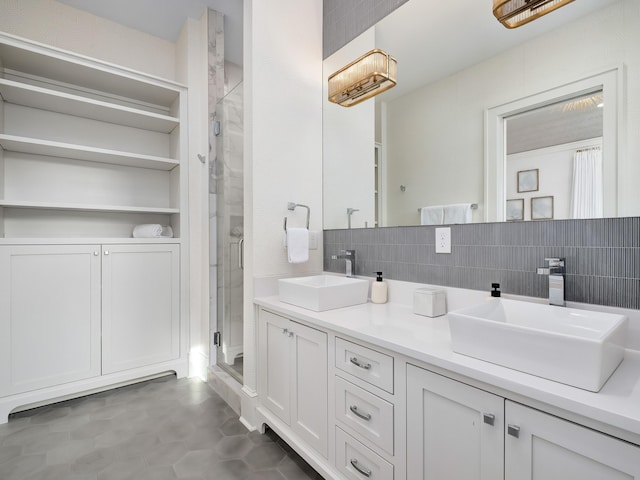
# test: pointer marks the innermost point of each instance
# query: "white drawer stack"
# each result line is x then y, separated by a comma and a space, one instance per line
364, 412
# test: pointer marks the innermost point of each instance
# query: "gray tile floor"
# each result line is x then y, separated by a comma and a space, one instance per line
158, 430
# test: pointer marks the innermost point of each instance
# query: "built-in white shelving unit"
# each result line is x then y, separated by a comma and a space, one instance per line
80, 136
88, 150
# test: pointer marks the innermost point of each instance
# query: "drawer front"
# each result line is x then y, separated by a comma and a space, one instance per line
366, 414
373, 367
357, 462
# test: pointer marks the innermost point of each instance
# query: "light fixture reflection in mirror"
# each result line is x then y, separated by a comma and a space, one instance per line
514, 13
371, 74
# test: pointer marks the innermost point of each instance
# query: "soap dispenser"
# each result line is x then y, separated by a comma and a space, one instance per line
379, 290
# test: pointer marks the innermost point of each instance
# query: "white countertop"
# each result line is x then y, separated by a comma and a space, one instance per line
395, 327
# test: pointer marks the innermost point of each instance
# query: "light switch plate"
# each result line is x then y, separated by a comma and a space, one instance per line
313, 240
443, 240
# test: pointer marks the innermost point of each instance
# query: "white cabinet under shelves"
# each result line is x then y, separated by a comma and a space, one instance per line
79, 136
72, 312
293, 377
140, 305
49, 316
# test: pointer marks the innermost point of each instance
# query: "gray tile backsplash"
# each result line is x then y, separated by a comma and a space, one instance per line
603, 257
344, 20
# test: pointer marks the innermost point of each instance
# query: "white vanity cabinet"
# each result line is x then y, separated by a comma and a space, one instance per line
72, 312
454, 431
460, 432
550, 448
293, 377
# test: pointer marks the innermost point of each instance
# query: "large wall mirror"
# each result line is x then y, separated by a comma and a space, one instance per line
495, 118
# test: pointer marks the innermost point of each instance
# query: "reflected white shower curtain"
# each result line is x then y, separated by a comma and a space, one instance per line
587, 195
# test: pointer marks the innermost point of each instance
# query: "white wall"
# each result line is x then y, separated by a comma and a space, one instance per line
555, 175
192, 70
348, 159
59, 25
439, 128
283, 143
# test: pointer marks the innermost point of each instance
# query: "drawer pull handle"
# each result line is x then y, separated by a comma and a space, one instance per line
363, 471
513, 430
364, 366
489, 419
364, 416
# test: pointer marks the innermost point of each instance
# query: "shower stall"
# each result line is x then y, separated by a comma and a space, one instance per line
226, 201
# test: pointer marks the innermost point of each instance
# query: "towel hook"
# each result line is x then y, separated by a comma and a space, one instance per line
292, 206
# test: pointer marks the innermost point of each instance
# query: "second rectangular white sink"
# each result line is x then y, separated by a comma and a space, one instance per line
576, 347
323, 292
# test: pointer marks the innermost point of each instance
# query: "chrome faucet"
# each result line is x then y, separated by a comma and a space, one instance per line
556, 271
349, 257
350, 211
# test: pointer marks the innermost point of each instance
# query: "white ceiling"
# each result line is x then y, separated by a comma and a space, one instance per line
449, 35
164, 18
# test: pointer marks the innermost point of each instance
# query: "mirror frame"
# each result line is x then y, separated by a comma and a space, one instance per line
611, 82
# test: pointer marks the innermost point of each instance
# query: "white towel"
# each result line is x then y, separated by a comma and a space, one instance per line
431, 215
297, 245
457, 213
152, 230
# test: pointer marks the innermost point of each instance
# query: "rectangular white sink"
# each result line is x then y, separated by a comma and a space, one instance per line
576, 347
323, 292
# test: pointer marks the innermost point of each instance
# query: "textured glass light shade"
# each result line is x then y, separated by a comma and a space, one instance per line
369, 75
513, 13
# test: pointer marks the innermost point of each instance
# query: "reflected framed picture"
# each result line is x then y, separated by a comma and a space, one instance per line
515, 210
528, 180
542, 208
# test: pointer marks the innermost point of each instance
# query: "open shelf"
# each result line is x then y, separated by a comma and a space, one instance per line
85, 207
52, 100
13, 143
63, 66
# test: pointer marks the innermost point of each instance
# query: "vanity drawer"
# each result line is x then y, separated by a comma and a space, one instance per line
373, 367
365, 413
357, 462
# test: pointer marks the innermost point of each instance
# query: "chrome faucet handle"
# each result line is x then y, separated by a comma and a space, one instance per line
555, 261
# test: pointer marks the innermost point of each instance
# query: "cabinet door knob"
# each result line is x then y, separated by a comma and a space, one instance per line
364, 366
106, 252
364, 416
291, 334
513, 430
285, 331
489, 418
361, 470
96, 253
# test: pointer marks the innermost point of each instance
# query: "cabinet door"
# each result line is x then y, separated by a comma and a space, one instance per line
454, 431
309, 385
275, 364
549, 448
49, 315
140, 305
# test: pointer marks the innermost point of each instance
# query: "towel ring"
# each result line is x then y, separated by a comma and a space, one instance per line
292, 206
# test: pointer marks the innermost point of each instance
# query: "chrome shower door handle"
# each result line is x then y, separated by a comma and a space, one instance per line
241, 253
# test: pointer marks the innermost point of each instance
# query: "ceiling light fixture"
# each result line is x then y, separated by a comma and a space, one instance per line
371, 74
513, 13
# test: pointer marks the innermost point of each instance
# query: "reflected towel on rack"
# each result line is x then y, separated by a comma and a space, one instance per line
457, 213
297, 244
431, 215
152, 230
